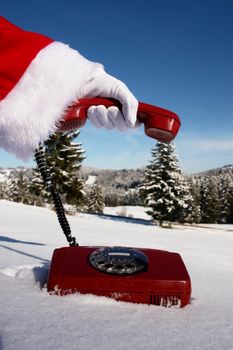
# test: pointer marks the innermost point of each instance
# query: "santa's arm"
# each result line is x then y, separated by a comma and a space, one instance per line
39, 79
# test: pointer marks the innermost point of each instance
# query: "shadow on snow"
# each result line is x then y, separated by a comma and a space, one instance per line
128, 220
12, 240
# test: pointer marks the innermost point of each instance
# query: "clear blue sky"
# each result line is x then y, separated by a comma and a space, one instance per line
174, 54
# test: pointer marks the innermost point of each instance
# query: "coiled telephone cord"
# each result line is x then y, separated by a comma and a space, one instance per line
59, 208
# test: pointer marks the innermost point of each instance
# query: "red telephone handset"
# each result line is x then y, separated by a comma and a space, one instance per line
159, 123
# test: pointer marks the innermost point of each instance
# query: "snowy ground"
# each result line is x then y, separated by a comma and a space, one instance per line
128, 211
31, 319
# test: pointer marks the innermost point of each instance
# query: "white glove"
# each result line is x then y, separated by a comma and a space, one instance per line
104, 85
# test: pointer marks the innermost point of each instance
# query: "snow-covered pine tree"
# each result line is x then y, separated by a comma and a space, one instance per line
164, 188
64, 158
96, 200
210, 201
19, 188
195, 188
187, 210
4, 190
225, 199
203, 194
230, 202
39, 193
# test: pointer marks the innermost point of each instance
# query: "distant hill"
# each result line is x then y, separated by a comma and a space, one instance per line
216, 171
114, 178
119, 186
110, 177
6, 173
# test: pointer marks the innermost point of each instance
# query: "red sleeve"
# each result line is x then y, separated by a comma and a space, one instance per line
17, 49
39, 79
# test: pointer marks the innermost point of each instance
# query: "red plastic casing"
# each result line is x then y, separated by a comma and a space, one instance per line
165, 281
159, 123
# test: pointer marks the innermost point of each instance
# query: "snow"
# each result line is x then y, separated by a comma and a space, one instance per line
128, 211
4, 174
91, 180
30, 318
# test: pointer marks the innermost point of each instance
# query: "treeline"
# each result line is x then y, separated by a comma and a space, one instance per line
171, 196
63, 161
120, 187
213, 196
168, 194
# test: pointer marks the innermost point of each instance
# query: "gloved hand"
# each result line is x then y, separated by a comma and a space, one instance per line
104, 85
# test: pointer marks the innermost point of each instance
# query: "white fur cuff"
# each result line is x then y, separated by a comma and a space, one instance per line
34, 107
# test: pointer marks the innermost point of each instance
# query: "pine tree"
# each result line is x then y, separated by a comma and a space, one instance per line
96, 200
195, 188
164, 188
39, 193
230, 203
64, 158
19, 189
187, 210
4, 193
210, 201
226, 199
203, 194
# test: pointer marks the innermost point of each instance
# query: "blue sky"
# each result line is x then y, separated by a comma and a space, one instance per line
173, 54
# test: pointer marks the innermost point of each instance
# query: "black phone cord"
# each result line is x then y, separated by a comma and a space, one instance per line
59, 208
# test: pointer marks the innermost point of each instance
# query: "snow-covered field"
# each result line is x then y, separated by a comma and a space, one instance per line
31, 319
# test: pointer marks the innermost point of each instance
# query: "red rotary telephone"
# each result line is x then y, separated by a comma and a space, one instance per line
138, 275
159, 123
